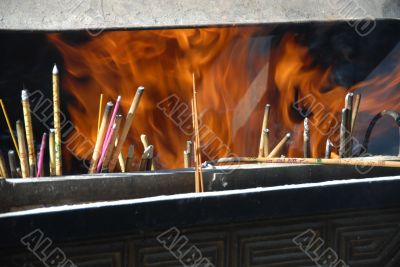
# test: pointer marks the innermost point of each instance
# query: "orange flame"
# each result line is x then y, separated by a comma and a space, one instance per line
235, 81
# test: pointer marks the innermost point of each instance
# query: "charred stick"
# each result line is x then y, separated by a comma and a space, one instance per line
145, 143
349, 106
186, 159
13, 164
129, 159
147, 158
306, 139
127, 126
275, 152
344, 134
189, 152
328, 147
22, 150
264, 126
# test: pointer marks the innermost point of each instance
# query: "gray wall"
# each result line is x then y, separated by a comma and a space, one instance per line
73, 14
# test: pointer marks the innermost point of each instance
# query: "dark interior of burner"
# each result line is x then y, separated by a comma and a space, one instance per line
27, 59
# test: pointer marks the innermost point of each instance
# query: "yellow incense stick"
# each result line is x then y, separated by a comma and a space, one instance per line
99, 117
9, 126
57, 121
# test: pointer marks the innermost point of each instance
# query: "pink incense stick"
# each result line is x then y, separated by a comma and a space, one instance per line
41, 155
110, 125
108, 134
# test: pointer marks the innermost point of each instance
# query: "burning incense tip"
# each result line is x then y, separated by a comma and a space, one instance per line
24, 94
55, 69
275, 152
140, 90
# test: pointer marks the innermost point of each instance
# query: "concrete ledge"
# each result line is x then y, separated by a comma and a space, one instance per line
23, 194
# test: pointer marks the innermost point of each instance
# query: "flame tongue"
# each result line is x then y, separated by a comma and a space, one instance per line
235, 80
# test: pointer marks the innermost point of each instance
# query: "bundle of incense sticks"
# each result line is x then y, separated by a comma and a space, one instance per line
199, 182
110, 141
28, 163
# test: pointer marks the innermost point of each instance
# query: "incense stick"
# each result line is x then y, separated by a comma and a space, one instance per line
344, 133
111, 124
195, 150
52, 162
275, 152
145, 143
99, 115
3, 166
41, 156
197, 136
13, 164
121, 160
306, 139
145, 163
23, 150
109, 150
9, 127
328, 146
29, 132
264, 126
349, 106
187, 155
100, 137
356, 106
57, 121
108, 145
127, 126
348, 161
129, 159
266, 141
